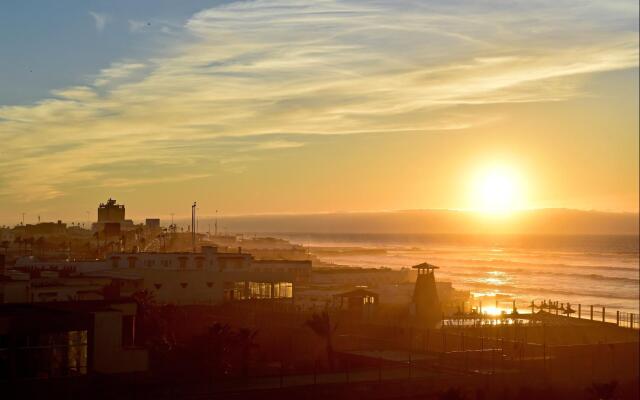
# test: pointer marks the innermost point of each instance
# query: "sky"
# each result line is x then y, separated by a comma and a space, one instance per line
272, 106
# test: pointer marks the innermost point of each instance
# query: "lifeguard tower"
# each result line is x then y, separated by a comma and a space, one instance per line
426, 304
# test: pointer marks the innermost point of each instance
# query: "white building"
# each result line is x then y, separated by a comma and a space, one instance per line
209, 277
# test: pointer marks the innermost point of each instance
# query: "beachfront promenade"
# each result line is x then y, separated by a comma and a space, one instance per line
550, 313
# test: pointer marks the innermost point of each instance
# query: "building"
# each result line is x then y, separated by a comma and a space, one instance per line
67, 339
45, 229
152, 223
426, 303
111, 214
49, 286
31, 263
359, 303
208, 277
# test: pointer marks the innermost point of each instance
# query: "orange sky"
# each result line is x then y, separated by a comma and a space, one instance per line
342, 106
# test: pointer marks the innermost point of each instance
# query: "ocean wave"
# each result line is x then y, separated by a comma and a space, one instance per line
596, 277
476, 261
517, 290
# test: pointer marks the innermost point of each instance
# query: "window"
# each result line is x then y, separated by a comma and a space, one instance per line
259, 290
283, 290
238, 291
49, 355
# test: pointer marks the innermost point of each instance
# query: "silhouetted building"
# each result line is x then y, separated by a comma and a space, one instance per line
111, 214
152, 223
426, 304
66, 339
46, 228
359, 302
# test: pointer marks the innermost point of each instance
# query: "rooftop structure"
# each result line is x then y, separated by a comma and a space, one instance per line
111, 218
111, 212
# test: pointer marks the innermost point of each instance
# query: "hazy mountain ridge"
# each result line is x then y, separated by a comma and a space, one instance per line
542, 221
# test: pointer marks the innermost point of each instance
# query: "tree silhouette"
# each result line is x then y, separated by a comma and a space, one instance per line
320, 324
146, 318
244, 340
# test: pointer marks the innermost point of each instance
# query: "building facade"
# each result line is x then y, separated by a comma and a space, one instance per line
207, 277
68, 339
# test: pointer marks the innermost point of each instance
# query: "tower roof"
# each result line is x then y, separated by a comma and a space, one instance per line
425, 265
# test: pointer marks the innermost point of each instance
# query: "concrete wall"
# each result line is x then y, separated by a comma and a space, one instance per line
109, 356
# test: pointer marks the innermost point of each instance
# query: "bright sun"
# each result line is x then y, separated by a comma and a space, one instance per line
497, 190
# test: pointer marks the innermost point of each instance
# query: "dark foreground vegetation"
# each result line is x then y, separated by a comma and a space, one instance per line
270, 351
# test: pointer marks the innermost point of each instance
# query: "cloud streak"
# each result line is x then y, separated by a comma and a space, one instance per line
272, 68
100, 20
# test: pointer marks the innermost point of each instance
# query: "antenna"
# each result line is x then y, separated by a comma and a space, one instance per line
23, 218
215, 226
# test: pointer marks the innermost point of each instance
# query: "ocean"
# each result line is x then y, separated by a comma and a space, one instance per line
602, 271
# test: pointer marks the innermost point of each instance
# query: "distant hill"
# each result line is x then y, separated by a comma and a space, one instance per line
541, 221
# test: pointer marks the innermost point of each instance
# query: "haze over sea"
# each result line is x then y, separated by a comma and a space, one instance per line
599, 270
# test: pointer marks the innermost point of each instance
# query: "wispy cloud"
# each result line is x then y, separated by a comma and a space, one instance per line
271, 68
100, 19
136, 26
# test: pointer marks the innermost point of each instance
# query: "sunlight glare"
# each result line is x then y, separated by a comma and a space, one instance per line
497, 190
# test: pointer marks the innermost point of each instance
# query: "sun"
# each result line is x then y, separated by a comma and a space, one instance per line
497, 189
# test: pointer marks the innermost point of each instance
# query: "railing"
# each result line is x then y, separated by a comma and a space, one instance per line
593, 313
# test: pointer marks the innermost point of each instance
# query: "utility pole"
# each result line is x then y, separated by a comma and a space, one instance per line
215, 226
193, 224
23, 218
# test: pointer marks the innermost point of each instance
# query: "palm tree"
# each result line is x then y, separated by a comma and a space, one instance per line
145, 318
320, 324
245, 341
218, 347
603, 391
